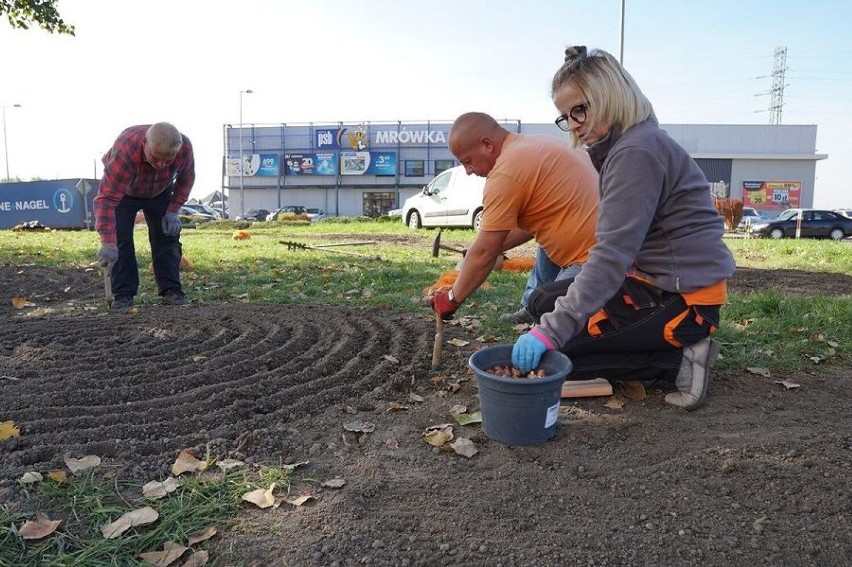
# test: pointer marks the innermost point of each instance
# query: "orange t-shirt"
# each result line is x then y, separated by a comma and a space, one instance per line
543, 186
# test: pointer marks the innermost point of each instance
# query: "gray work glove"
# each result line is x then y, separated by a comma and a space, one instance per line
171, 224
107, 255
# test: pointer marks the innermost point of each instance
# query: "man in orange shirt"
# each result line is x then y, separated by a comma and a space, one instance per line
537, 187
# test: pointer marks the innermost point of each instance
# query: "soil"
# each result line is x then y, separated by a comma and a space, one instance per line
760, 475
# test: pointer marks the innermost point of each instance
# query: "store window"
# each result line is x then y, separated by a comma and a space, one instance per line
415, 168
443, 165
378, 203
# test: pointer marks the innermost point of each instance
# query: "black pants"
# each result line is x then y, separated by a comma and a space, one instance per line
638, 335
165, 250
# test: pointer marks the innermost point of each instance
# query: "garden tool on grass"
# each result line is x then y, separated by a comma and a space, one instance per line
437, 247
299, 246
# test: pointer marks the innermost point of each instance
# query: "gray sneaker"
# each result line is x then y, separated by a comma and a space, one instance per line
693, 380
516, 317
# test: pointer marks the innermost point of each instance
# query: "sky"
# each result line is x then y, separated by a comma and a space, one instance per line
186, 61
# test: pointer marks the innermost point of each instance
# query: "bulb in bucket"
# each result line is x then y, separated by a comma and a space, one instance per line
519, 411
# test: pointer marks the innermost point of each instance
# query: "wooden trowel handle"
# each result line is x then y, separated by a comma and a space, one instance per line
438, 349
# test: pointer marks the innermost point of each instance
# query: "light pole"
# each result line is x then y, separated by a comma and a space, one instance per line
5, 141
242, 159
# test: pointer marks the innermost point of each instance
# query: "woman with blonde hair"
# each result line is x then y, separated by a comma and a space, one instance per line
649, 297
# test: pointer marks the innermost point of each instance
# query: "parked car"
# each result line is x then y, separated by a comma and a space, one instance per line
315, 214
196, 215
815, 223
453, 198
207, 209
395, 213
750, 218
254, 215
292, 209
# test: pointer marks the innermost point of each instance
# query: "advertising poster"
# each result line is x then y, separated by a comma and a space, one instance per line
772, 194
368, 163
266, 165
319, 163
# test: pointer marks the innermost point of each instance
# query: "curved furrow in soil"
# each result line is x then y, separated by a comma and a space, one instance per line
141, 386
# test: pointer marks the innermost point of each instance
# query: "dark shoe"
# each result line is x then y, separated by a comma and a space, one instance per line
121, 302
175, 297
517, 317
693, 380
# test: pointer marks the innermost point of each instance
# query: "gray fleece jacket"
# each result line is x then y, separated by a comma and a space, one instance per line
656, 217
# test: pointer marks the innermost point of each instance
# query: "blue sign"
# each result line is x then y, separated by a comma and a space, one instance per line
326, 139
269, 165
64, 203
368, 163
319, 163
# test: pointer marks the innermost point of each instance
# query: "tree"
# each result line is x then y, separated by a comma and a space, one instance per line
24, 13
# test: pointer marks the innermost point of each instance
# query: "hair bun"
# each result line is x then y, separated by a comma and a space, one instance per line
575, 53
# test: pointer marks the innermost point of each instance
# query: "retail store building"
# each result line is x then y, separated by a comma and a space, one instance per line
369, 168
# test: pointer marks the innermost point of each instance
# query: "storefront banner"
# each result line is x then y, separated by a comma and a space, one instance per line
56, 204
261, 165
319, 163
368, 163
772, 194
326, 139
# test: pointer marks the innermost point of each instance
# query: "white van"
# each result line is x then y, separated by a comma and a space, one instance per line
453, 198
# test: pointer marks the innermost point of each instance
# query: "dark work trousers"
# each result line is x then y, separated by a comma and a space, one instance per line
632, 344
165, 250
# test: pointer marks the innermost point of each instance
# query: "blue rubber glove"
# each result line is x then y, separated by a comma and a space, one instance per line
171, 224
526, 354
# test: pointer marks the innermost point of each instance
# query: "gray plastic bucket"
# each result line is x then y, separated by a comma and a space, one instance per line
519, 411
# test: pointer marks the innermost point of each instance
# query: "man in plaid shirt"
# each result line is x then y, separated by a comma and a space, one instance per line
149, 168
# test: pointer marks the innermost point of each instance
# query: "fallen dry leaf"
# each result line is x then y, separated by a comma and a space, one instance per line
360, 426
350, 410
394, 406
468, 418
458, 342
635, 390
787, 384
187, 462
464, 447
758, 370
138, 517
198, 537
260, 497
41, 527
31, 477
438, 435
294, 466
157, 489
334, 483
199, 358
81, 465
58, 476
390, 358
8, 429
392, 443
415, 398
458, 408
816, 359
300, 500
197, 559
18, 302
454, 387
615, 403
171, 553
228, 464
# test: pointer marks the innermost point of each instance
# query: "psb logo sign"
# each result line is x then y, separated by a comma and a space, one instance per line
326, 138
63, 201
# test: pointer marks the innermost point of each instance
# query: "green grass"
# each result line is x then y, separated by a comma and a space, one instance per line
88, 502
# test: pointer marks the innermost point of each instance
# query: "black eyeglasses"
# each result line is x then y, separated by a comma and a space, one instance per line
577, 114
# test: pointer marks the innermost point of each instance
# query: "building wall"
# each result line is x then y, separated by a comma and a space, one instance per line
755, 153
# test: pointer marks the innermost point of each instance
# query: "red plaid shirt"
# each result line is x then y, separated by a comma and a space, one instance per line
127, 172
